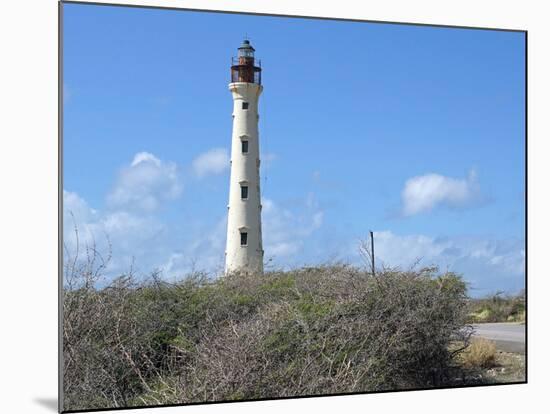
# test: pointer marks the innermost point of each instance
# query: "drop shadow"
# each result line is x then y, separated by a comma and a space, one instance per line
49, 403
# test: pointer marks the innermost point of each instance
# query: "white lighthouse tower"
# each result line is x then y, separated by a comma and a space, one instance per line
244, 251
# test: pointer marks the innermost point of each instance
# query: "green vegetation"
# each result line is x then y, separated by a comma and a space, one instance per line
498, 308
322, 330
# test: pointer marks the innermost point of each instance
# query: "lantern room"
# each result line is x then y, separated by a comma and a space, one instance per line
244, 67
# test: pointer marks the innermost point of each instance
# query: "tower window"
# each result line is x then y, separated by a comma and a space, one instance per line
245, 105
244, 146
244, 192
244, 238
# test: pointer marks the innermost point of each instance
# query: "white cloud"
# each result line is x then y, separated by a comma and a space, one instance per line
484, 262
74, 205
426, 192
128, 226
285, 231
132, 225
317, 220
135, 230
395, 250
267, 159
125, 225
141, 240
145, 157
212, 162
78, 221
145, 184
501, 255
204, 252
128, 234
285, 248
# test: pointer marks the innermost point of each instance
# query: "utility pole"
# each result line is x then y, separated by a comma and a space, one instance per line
372, 252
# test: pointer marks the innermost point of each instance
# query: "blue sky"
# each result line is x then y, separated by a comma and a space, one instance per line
414, 132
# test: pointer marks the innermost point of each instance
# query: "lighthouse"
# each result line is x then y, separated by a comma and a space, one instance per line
244, 251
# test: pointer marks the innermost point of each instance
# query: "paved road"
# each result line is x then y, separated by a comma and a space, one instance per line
509, 337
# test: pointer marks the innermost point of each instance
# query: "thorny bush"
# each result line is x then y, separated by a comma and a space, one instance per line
309, 331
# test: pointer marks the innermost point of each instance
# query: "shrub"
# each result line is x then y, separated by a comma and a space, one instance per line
321, 330
498, 308
480, 354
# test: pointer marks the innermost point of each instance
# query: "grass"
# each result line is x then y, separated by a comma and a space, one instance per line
481, 353
498, 308
482, 363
